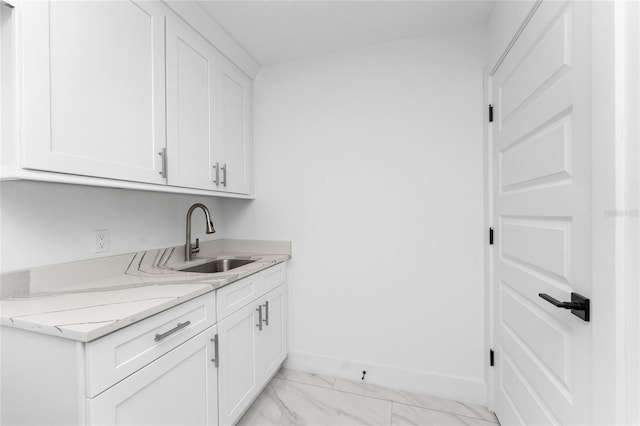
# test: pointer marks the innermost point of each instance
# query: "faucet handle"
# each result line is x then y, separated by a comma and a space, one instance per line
196, 249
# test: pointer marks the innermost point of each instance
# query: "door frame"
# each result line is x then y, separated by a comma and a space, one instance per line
616, 93
615, 228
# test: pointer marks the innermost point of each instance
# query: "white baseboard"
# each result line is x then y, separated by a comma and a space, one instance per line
451, 387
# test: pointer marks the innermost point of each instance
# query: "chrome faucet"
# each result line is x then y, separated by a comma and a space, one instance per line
189, 250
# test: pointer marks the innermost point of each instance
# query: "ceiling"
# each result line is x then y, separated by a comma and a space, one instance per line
279, 31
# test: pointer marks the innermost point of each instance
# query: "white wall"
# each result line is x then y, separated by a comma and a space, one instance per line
48, 223
370, 161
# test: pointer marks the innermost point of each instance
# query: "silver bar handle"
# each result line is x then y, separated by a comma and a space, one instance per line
163, 170
259, 324
217, 179
224, 175
215, 360
266, 311
166, 334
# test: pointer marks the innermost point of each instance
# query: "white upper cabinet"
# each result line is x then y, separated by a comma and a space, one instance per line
127, 94
191, 95
93, 88
234, 149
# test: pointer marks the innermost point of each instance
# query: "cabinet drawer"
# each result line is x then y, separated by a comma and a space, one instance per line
117, 355
273, 277
236, 295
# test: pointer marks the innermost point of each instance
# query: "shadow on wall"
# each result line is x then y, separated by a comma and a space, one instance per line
49, 223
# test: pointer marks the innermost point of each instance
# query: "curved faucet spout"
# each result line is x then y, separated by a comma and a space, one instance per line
189, 249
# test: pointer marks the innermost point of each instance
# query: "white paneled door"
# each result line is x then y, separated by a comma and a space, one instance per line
541, 153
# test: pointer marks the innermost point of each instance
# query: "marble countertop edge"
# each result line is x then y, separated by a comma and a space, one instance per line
74, 309
76, 325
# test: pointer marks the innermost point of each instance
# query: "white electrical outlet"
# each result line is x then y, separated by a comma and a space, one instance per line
102, 240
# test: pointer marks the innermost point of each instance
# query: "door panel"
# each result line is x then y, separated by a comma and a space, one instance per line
234, 148
531, 410
539, 158
531, 327
238, 375
542, 181
191, 63
545, 62
274, 335
521, 239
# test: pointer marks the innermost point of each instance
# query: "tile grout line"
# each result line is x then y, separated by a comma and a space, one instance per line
383, 399
439, 411
414, 405
447, 412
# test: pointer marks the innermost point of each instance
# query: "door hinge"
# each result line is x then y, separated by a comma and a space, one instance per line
490, 236
491, 360
490, 113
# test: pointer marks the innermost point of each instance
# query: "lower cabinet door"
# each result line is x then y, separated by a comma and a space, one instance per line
273, 339
238, 378
179, 388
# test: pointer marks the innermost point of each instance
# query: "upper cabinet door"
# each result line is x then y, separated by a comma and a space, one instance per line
93, 99
235, 142
191, 65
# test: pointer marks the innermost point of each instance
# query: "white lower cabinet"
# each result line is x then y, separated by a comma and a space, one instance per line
198, 363
180, 388
252, 347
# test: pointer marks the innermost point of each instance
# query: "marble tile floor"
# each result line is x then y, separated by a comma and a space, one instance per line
304, 399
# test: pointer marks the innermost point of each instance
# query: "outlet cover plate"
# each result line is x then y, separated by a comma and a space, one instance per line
101, 240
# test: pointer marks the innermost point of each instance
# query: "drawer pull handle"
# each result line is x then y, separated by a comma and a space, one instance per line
259, 324
217, 179
163, 170
224, 174
266, 309
180, 326
215, 360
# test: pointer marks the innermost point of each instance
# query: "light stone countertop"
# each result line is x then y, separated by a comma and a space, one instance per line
88, 299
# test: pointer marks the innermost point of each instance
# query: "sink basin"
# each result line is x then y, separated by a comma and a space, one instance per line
218, 265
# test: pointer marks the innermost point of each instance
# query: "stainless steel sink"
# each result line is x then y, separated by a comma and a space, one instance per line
218, 265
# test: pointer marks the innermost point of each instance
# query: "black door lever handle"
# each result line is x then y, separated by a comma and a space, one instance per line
579, 305
559, 304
